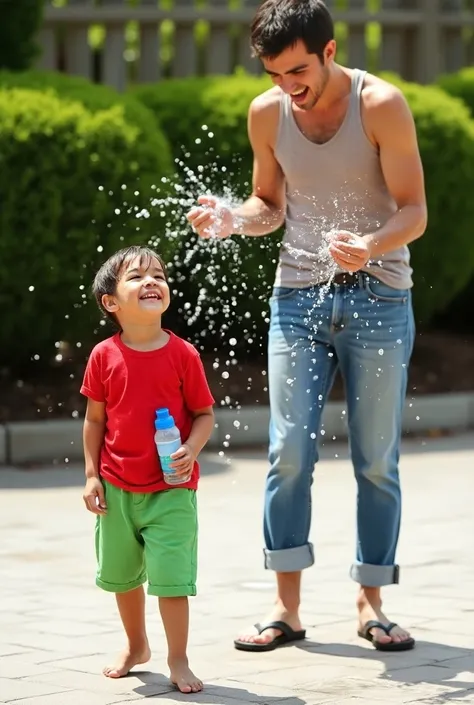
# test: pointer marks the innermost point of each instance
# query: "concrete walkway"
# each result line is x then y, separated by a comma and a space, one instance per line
57, 629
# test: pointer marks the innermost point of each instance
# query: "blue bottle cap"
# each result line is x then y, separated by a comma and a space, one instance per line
163, 419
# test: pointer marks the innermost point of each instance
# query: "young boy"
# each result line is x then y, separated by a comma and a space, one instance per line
145, 529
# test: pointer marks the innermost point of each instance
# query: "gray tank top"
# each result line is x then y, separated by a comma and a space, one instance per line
336, 185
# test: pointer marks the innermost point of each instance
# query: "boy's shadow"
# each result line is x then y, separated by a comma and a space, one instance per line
446, 662
156, 685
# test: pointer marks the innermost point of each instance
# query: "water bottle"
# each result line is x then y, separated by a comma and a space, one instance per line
168, 440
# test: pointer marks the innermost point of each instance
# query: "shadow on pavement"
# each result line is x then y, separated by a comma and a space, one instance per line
63, 475
154, 684
442, 672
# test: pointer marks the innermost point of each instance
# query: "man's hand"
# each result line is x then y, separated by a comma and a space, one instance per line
183, 461
211, 219
94, 496
351, 252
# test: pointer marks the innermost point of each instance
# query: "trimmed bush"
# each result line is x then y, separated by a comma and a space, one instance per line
21, 21
71, 183
442, 259
150, 142
460, 85
184, 106
226, 286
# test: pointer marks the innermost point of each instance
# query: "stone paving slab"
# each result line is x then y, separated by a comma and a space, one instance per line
57, 630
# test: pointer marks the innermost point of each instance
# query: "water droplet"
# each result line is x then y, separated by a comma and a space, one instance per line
380, 351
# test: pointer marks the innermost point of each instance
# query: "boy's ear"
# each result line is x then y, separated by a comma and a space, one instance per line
109, 303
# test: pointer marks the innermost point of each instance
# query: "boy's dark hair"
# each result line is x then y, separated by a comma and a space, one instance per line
106, 279
280, 24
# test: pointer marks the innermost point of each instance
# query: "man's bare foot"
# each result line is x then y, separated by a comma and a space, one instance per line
278, 615
369, 605
126, 661
183, 678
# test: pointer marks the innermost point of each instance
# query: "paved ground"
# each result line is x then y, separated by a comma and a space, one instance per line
57, 630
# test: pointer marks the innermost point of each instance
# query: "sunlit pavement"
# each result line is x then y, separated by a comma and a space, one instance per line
57, 629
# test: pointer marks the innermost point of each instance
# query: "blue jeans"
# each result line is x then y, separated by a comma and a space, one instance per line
367, 329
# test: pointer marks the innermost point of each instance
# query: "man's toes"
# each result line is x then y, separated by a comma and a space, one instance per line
399, 635
381, 637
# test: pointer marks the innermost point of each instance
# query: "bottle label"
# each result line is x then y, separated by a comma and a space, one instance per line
165, 450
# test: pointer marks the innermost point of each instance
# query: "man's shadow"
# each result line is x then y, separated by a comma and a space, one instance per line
156, 686
446, 665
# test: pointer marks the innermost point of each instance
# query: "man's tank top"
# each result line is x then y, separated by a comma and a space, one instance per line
337, 185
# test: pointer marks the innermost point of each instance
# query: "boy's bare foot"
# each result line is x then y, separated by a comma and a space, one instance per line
183, 678
126, 661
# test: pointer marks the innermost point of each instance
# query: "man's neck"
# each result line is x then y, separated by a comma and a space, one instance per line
337, 88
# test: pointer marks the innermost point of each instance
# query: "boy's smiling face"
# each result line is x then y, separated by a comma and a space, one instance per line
142, 294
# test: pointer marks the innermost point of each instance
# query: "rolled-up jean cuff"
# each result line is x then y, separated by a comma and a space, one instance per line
289, 560
375, 575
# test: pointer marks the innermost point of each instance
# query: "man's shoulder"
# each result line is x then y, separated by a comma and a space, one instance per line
267, 102
380, 94
264, 115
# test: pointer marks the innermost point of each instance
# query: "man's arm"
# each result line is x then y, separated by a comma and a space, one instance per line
395, 133
264, 211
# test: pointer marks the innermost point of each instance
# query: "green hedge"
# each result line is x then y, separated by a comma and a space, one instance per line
150, 145
461, 85
234, 278
71, 182
443, 259
446, 138
20, 21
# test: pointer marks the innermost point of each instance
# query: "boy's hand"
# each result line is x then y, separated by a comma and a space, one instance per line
94, 496
183, 460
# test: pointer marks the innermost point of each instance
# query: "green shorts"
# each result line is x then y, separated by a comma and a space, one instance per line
150, 536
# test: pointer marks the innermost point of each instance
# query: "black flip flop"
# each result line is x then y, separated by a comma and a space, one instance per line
406, 645
287, 637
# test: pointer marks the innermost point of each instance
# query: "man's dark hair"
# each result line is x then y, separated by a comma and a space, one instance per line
280, 24
106, 279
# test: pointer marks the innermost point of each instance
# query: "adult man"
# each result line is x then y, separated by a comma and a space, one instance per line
336, 159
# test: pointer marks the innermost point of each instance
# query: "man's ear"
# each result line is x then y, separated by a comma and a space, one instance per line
330, 51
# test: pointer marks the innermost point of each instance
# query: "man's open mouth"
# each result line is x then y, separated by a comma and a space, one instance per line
300, 94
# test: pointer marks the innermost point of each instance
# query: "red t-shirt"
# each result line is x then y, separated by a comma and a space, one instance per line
133, 385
